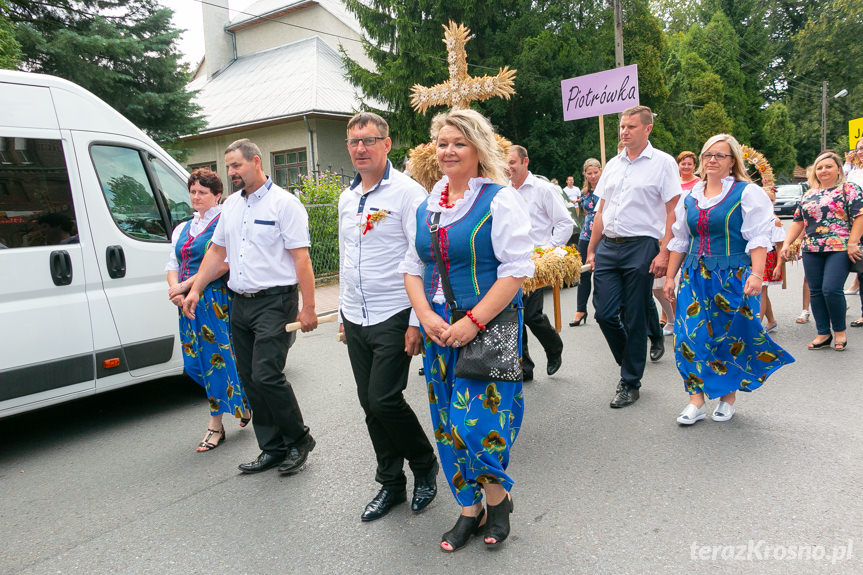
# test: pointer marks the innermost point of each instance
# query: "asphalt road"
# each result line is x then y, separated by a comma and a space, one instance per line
112, 484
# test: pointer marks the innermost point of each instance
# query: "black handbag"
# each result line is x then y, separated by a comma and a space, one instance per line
855, 267
493, 354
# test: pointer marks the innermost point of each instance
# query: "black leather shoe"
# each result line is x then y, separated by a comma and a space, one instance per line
425, 490
262, 463
624, 396
382, 503
657, 349
554, 364
527, 376
297, 456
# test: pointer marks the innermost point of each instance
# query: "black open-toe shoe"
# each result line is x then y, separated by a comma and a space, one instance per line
497, 526
465, 527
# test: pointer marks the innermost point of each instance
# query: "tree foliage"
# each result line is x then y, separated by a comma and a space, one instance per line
124, 51
10, 50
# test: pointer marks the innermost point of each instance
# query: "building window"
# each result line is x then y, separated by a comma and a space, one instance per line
288, 166
212, 166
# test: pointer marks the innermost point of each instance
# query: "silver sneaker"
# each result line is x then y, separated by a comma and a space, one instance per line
723, 412
691, 414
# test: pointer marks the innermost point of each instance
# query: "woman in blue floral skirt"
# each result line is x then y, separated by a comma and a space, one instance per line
207, 353
721, 236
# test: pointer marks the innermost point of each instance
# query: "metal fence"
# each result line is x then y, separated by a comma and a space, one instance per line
324, 231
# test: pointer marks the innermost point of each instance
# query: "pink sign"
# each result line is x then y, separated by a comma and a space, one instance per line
606, 92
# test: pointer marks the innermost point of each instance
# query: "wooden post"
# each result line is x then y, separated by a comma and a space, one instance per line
602, 141
558, 324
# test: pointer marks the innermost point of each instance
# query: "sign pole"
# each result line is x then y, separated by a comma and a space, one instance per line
602, 141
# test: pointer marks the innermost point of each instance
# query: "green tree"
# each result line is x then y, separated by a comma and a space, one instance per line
777, 135
10, 50
124, 51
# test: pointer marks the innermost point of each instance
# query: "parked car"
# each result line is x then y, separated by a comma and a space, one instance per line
787, 198
87, 206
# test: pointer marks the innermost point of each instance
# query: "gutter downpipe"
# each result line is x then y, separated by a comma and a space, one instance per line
311, 147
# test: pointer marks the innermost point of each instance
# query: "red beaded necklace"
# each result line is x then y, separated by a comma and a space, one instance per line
444, 197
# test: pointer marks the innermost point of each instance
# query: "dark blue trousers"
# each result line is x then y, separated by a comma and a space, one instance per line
622, 285
826, 273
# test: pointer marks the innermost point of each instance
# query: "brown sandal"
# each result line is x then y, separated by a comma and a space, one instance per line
206, 445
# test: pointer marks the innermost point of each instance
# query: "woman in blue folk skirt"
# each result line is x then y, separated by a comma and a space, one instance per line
207, 354
484, 233
721, 236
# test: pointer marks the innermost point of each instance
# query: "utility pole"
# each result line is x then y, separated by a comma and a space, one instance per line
823, 115
618, 35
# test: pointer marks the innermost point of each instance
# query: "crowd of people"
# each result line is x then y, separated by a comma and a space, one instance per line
440, 274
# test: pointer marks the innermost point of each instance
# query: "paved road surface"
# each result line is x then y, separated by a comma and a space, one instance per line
112, 484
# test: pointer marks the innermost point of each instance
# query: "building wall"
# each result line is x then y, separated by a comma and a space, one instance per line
269, 34
327, 134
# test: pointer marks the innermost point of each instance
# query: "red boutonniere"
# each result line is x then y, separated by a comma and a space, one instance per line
374, 218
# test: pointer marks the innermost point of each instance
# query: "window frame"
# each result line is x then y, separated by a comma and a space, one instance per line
303, 166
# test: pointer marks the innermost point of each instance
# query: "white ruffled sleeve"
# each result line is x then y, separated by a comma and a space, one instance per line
510, 234
679, 229
173, 265
758, 218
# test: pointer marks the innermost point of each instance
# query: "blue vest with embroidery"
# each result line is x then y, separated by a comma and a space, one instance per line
715, 235
466, 250
190, 251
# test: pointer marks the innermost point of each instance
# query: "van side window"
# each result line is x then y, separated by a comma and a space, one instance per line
35, 197
174, 191
128, 192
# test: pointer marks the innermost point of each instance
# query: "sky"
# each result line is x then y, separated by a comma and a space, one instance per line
187, 16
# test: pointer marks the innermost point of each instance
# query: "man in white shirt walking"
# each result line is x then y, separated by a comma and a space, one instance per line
377, 218
263, 234
550, 225
638, 191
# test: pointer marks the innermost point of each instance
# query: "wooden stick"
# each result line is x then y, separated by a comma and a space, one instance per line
294, 326
557, 321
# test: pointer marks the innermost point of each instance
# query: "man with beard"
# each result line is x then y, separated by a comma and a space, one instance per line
263, 234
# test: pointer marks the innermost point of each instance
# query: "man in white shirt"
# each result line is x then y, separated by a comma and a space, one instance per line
377, 218
263, 234
629, 245
550, 225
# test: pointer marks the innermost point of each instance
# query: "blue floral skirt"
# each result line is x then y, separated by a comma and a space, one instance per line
207, 353
476, 422
719, 343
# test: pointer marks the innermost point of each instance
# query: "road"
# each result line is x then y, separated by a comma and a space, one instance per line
112, 484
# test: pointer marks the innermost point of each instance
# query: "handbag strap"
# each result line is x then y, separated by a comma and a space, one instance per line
438, 258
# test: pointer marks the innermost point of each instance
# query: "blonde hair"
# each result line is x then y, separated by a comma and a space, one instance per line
825, 155
855, 159
478, 131
589, 163
737, 170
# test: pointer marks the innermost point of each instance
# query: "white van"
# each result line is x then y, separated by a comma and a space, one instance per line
87, 205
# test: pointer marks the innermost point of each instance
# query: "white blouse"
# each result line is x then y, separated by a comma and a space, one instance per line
758, 216
197, 225
510, 230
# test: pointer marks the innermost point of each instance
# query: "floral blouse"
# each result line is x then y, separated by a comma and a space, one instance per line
589, 203
824, 212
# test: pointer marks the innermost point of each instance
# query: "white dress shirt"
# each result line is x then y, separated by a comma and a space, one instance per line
256, 230
197, 224
371, 289
510, 231
635, 193
550, 222
758, 216
572, 193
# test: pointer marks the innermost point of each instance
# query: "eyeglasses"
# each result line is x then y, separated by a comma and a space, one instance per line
367, 141
711, 155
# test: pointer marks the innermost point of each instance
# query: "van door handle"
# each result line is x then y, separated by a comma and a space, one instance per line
116, 261
61, 268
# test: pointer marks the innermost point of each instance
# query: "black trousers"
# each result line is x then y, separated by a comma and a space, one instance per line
380, 366
261, 346
585, 281
541, 328
622, 296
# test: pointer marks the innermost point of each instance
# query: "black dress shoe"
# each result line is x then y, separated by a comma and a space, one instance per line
554, 364
425, 490
297, 456
624, 396
657, 349
262, 463
527, 376
382, 503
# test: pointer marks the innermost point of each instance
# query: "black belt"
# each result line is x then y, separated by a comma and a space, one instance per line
625, 239
269, 291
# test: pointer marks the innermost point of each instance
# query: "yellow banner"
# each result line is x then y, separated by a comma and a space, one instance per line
855, 132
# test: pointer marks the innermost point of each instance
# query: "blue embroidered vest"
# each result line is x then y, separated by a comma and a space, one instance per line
190, 251
714, 234
466, 250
